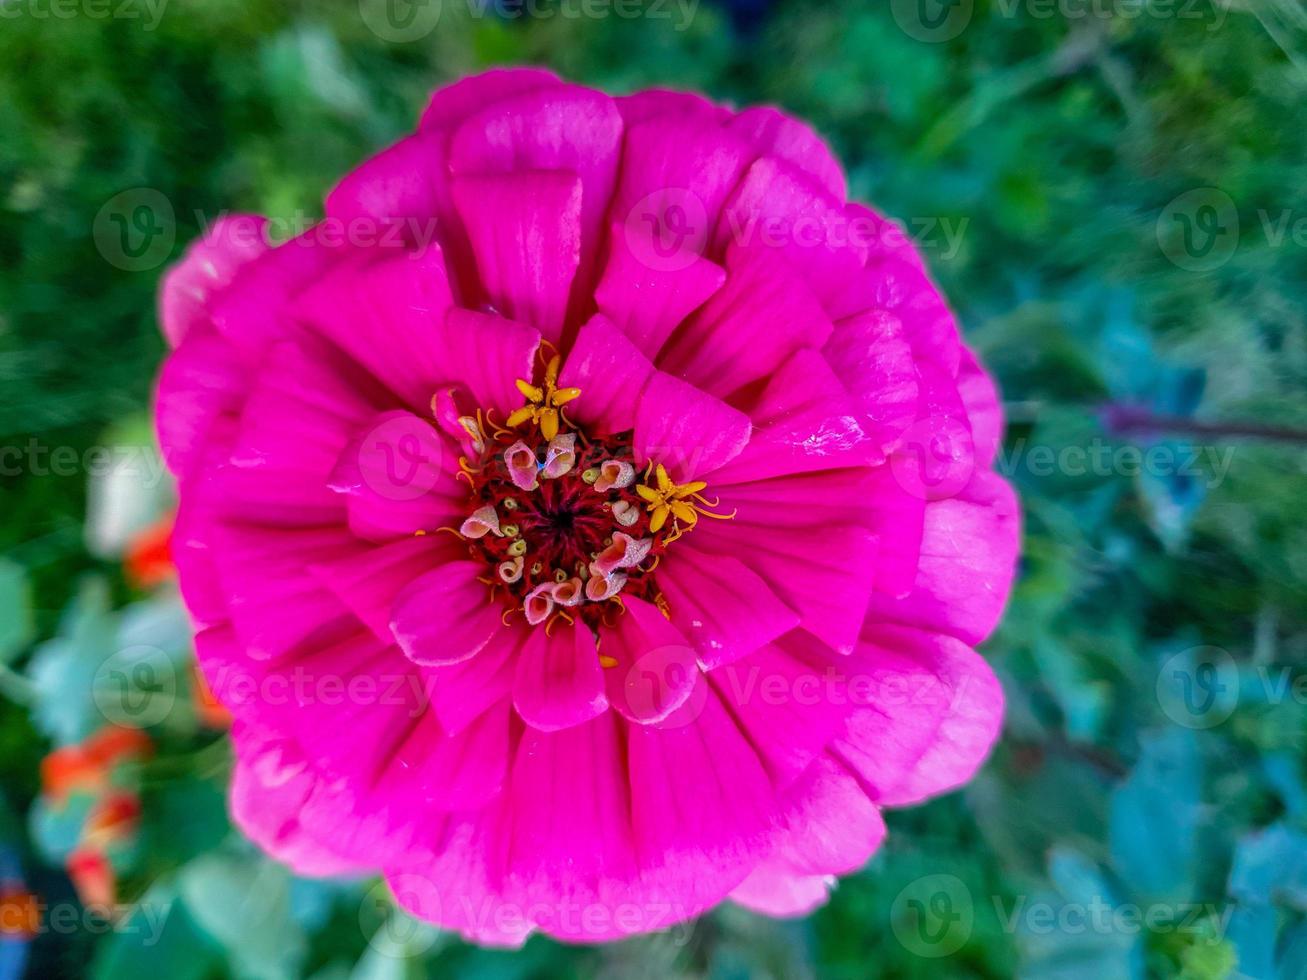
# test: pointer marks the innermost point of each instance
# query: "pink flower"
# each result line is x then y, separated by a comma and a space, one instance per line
591, 520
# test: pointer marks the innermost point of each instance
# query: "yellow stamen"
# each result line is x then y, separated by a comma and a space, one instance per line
684, 512
556, 617
523, 414
682, 502
663, 605
499, 431
544, 402
548, 419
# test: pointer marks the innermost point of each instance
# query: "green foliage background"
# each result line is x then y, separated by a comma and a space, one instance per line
1038, 156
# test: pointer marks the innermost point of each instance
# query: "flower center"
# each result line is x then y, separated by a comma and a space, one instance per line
566, 524
561, 525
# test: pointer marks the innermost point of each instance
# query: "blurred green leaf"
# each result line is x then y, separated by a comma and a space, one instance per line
159, 939
1155, 816
243, 903
17, 626
1270, 866
63, 670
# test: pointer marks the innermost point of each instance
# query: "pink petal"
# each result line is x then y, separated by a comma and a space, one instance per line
559, 128
269, 785
590, 857
263, 691
200, 387
885, 237
251, 314
823, 438
700, 803
296, 422
898, 518
968, 557
646, 296
725, 610
275, 604
486, 354
804, 421
804, 383
401, 198
464, 771
803, 536
655, 671
402, 182
653, 103
385, 315
676, 174
934, 710
460, 693
454, 103
901, 287
456, 881
571, 835
774, 892
752, 325
687, 430
197, 574
397, 475
525, 230
828, 827
873, 359
779, 135
369, 583
610, 372
783, 209
210, 264
445, 616
984, 410
559, 682
593, 858
788, 701
936, 457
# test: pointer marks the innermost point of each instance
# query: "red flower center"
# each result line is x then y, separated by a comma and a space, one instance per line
567, 524
561, 526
